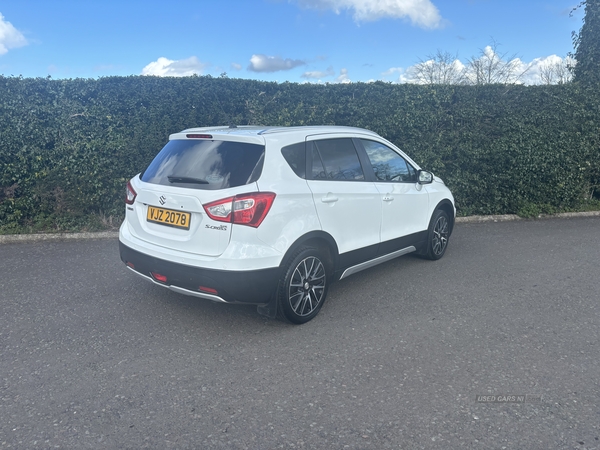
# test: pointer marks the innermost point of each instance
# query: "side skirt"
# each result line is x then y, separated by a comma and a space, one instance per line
381, 259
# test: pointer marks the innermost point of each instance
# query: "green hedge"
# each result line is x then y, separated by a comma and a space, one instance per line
67, 147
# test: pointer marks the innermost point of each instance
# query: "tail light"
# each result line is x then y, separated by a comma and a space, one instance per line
245, 209
131, 194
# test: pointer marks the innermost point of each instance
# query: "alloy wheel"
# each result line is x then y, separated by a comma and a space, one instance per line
307, 286
440, 235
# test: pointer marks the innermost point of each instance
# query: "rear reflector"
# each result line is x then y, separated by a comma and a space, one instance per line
207, 290
159, 277
130, 264
198, 136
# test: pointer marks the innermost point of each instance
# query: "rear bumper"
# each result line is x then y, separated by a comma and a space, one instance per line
249, 287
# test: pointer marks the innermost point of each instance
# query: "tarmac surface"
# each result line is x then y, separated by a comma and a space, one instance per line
497, 345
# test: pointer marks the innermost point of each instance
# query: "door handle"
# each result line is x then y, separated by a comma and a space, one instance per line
329, 199
388, 198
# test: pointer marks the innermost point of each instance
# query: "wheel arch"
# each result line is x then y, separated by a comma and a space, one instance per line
320, 239
448, 207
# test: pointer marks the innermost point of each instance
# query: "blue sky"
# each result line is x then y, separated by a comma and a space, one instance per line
274, 40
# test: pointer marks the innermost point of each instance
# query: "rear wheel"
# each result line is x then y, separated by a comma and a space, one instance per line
303, 289
438, 235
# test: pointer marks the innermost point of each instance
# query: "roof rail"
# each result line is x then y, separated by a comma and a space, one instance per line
338, 128
262, 130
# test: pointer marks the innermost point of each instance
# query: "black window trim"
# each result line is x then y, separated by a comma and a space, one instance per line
364, 160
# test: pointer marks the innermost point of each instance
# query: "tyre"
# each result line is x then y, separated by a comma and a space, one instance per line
303, 288
437, 235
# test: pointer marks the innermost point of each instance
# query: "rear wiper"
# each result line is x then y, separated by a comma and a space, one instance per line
187, 180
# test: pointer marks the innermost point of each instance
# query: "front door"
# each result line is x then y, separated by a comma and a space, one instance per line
405, 203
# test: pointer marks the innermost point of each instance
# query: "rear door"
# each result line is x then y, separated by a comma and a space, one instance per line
347, 204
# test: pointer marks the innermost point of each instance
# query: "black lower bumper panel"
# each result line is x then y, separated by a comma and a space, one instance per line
249, 287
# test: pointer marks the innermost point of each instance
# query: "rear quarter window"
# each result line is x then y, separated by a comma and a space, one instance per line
208, 165
295, 155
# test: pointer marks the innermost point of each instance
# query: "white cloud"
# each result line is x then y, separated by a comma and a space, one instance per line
10, 37
422, 13
264, 63
314, 75
313, 78
393, 71
236, 66
164, 67
343, 77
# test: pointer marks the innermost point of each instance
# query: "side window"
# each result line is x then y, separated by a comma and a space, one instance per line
295, 155
336, 159
389, 165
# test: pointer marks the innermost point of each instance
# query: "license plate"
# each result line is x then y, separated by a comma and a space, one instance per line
169, 217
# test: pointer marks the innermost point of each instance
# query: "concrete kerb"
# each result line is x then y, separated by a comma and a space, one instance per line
513, 217
38, 237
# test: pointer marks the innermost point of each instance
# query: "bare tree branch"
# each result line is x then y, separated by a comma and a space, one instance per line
441, 68
491, 67
556, 72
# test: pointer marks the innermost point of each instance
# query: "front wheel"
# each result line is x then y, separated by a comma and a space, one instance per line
303, 289
437, 235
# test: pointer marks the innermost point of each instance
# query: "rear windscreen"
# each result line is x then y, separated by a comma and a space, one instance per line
206, 165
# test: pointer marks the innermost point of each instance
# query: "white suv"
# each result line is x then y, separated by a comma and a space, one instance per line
271, 216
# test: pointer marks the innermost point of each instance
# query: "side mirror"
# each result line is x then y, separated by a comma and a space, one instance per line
425, 177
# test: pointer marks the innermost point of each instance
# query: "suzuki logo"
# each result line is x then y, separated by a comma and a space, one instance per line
162, 199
